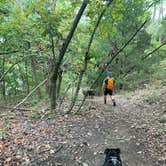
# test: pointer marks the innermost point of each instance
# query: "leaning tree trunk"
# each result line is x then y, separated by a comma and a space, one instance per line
112, 58
78, 87
51, 86
59, 82
87, 57
56, 67
64, 95
131, 69
38, 86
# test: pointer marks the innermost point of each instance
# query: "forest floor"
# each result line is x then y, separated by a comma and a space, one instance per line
135, 125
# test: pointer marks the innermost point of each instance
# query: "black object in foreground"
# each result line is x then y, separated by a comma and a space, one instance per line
112, 157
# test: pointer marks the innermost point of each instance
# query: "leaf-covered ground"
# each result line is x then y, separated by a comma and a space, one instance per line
135, 125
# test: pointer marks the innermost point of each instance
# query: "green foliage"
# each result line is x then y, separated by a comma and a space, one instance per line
7, 116
159, 70
27, 27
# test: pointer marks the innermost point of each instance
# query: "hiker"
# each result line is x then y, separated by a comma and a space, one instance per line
108, 85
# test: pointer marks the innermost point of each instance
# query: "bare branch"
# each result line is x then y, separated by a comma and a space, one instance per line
86, 56
147, 55
113, 57
54, 73
9, 69
144, 58
10, 52
29, 95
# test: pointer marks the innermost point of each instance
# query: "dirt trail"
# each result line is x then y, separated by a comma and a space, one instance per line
120, 124
75, 140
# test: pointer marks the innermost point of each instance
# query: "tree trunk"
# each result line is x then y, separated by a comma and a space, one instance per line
56, 67
59, 82
160, 18
52, 88
78, 88
109, 62
63, 97
86, 57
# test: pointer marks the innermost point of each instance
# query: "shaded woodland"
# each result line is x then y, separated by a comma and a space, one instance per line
61, 48
52, 51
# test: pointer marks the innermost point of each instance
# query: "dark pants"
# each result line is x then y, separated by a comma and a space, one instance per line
110, 92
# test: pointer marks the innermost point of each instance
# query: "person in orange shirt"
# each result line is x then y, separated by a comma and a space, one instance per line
108, 85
